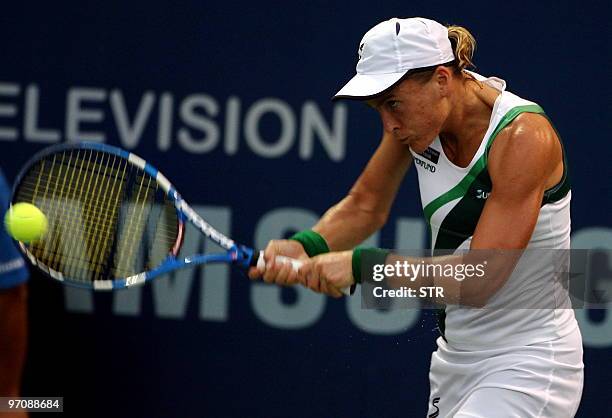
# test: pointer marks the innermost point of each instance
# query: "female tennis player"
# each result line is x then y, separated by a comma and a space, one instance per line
492, 175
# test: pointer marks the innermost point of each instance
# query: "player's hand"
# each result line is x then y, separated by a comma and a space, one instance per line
280, 273
328, 273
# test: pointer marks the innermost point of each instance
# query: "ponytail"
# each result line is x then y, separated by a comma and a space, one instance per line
464, 45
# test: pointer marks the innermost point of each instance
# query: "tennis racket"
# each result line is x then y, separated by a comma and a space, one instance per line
114, 221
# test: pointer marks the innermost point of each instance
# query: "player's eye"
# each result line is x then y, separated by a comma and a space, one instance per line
392, 104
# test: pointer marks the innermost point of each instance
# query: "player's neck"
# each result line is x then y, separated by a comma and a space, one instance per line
467, 122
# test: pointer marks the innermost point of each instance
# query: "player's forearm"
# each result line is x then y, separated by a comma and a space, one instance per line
366, 208
349, 222
469, 279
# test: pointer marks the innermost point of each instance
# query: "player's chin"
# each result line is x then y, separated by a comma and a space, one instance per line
411, 142
416, 147
419, 146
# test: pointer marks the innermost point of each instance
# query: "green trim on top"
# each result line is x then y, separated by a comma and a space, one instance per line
509, 117
456, 192
462, 187
460, 223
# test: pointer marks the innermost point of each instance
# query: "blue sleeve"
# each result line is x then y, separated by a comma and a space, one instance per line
13, 270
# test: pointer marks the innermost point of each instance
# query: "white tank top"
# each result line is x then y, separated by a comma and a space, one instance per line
453, 198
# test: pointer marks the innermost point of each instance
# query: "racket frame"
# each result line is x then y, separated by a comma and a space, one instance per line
240, 255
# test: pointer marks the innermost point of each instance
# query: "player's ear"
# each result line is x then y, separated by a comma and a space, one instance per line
442, 77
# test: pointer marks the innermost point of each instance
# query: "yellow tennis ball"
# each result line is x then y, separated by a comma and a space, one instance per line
25, 222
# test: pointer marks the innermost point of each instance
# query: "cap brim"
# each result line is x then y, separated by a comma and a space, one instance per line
367, 86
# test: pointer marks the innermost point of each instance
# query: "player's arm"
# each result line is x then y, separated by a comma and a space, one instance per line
365, 208
524, 161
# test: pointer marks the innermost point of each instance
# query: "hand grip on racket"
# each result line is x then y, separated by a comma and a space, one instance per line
281, 259
295, 264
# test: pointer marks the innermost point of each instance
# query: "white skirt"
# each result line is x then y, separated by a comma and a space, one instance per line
541, 380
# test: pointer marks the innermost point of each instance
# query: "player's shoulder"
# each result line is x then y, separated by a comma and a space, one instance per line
528, 135
528, 145
528, 129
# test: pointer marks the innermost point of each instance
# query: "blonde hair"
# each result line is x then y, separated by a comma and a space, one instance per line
464, 45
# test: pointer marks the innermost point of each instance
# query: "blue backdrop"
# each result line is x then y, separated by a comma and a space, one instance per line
231, 101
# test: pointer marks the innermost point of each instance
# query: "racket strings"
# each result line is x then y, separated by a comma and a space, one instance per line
68, 230
107, 218
71, 235
70, 243
125, 256
70, 210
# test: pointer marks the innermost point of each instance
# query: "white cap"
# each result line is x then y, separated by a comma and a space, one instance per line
392, 48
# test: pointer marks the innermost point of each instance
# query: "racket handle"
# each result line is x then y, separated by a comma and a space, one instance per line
295, 264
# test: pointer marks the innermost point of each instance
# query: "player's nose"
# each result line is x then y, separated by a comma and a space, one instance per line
390, 123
